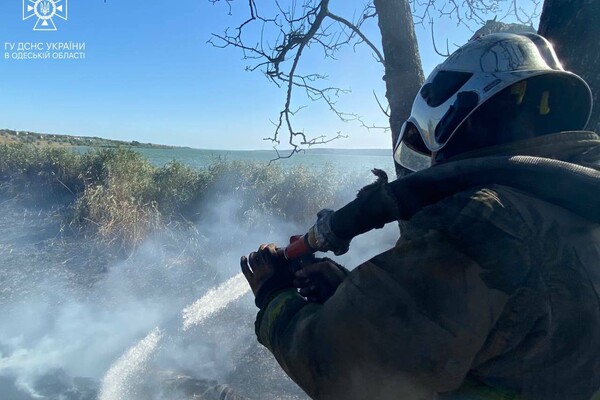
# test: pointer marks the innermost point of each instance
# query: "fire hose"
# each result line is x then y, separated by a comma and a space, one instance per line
564, 184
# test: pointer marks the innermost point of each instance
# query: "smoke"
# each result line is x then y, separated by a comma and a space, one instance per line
123, 325
61, 328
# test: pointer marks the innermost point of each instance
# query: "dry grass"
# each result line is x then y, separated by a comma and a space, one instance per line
123, 198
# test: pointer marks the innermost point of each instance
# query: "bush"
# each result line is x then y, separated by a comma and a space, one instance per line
51, 173
118, 196
123, 198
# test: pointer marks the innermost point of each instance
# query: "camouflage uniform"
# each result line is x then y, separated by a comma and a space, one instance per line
490, 293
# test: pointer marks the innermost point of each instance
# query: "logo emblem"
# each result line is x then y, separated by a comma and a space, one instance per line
45, 11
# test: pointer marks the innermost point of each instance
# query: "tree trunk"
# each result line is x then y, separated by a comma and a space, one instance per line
403, 71
573, 26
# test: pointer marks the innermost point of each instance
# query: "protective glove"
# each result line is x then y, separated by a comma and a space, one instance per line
318, 281
266, 273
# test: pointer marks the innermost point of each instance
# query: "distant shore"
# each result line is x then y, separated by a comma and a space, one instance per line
8, 136
43, 139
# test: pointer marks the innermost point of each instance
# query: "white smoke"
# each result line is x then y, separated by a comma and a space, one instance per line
105, 327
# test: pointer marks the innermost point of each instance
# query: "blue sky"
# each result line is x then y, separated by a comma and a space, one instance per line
150, 76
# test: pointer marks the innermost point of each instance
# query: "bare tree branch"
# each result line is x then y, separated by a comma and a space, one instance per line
275, 43
359, 33
283, 40
385, 111
447, 53
474, 13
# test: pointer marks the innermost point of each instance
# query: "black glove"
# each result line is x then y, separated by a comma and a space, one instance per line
267, 274
318, 281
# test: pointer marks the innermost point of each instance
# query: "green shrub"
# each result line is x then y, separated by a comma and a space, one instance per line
177, 188
47, 172
123, 198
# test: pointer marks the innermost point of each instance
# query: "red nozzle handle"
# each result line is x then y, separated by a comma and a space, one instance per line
297, 248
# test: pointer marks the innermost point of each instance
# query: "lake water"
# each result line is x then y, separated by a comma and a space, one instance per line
346, 160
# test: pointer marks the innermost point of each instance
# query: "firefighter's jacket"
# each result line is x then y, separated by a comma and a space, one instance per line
491, 286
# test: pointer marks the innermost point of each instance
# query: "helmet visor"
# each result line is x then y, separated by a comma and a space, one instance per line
411, 152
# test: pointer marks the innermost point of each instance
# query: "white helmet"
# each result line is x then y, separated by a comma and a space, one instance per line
496, 80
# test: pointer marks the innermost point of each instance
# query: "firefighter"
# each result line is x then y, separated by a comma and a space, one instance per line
490, 293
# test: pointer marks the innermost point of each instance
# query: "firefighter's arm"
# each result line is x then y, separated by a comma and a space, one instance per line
406, 324
415, 325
